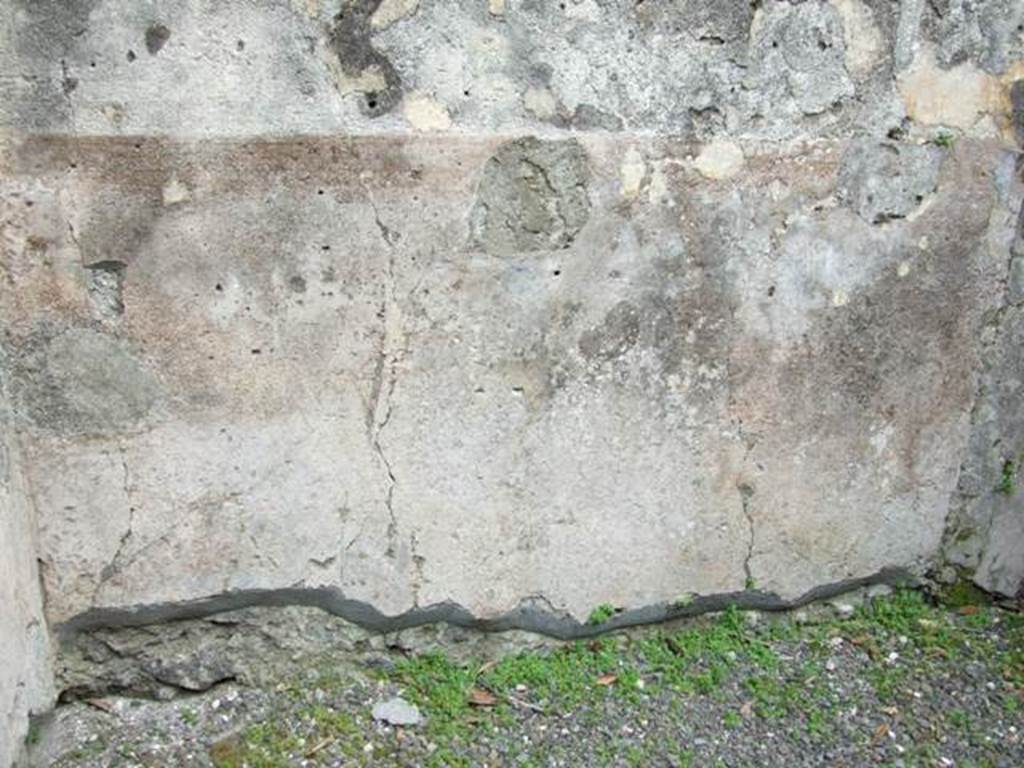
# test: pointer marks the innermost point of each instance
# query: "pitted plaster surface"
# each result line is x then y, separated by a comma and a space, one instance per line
490, 313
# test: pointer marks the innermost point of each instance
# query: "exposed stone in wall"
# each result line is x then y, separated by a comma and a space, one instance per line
492, 312
532, 197
883, 181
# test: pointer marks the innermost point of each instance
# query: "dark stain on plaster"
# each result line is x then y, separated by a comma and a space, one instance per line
719, 23
616, 335
350, 39
901, 350
79, 381
669, 316
586, 117
116, 225
49, 45
128, 173
1017, 109
157, 36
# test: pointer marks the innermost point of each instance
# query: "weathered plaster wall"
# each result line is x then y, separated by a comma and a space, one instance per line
496, 311
26, 676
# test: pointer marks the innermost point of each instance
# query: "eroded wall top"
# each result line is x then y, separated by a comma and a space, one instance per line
771, 71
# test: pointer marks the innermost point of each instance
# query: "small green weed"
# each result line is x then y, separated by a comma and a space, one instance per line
1008, 483
944, 140
683, 601
601, 614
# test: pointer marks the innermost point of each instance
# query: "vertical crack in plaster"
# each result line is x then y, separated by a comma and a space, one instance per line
67, 85
380, 405
115, 565
746, 493
418, 562
74, 238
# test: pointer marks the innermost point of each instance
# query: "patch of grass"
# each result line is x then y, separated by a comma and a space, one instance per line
959, 718
566, 675
1008, 481
945, 140
819, 723
1011, 661
887, 680
896, 642
901, 613
963, 593
637, 756
684, 757
89, 750
440, 688
771, 696
265, 745
228, 753
272, 745
601, 614
699, 659
189, 716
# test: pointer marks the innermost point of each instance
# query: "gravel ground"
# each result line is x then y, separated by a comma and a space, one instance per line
895, 682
